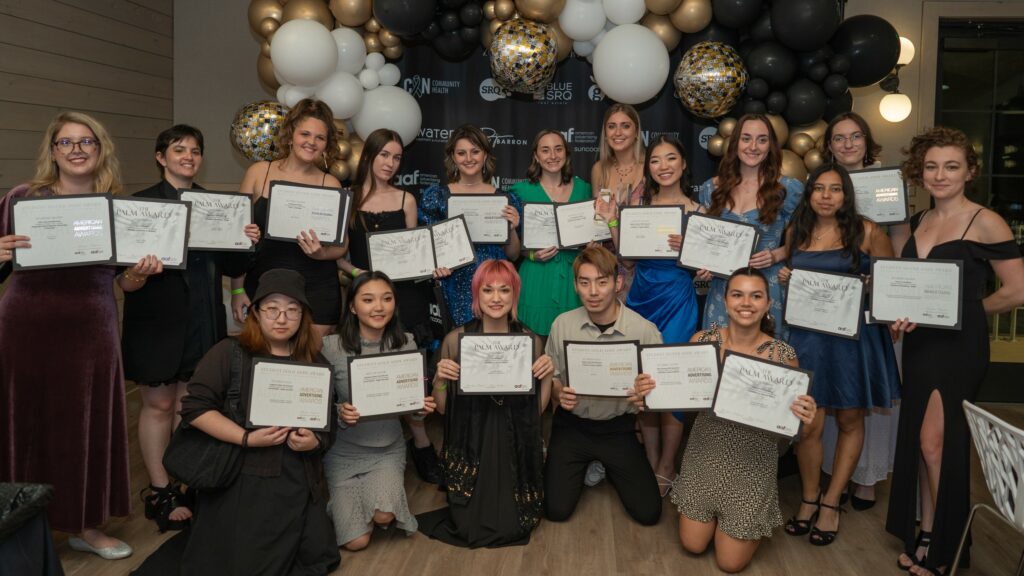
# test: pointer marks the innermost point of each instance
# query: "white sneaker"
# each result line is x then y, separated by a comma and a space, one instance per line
595, 474
115, 552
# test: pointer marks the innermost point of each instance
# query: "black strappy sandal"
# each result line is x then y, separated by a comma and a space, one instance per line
796, 527
159, 504
924, 539
825, 537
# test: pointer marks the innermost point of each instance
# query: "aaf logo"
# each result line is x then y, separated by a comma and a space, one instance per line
706, 135
584, 141
491, 92
411, 179
420, 86
508, 139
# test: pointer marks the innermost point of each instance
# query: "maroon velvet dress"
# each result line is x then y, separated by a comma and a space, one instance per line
62, 389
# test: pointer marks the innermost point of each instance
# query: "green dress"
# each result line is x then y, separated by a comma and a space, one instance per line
547, 287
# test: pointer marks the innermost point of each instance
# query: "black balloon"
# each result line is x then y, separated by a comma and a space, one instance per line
713, 32
450, 21
451, 47
836, 106
805, 24
470, 34
773, 62
839, 64
818, 72
808, 59
736, 13
776, 102
872, 46
754, 107
806, 102
404, 17
761, 31
452, 3
745, 47
835, 85
432, 31
758, 88
471, 14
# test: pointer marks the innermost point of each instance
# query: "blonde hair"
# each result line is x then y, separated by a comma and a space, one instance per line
106, 177
605, 156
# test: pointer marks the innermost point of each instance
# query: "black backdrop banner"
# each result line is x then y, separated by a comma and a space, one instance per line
454, 93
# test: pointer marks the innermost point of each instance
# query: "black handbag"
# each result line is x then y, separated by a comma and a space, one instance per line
200, 460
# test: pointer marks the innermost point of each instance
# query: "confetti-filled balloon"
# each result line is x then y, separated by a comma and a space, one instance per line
254, 129
523, 56
710, 79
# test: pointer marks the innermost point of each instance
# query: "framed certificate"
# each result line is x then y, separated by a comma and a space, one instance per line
286, 393
881, 195
644, 231
295, 208
495, 364
758, 393
685, 375
925, 291
825, 302
387, 384
453, 248
402, 254
576, 226
64, 231
218, 220
483, 213
144, 226
607, 368
539, 230
717, 245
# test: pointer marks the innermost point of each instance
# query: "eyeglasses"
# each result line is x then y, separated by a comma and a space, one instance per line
855, 138
67, 145
273, 313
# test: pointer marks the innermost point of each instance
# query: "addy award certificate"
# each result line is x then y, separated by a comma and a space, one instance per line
881, 195
644, 231
717, 245
293, 394
386, 384
539, 231
607, 368
484, 216
63, 230
758, 393
825, 302
576, 225
925, 291
495, 364
218, 220
296, 208
685, 375
144, 226
402, 254
453, 248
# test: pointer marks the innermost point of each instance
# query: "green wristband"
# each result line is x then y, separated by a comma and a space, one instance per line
613, 223
356, 272
237, 291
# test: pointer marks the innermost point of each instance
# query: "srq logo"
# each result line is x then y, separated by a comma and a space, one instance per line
706, 135
490, 91
560, 92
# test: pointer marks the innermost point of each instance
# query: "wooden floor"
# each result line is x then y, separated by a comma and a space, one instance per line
599, 539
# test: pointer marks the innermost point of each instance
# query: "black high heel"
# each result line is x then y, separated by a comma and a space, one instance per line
796, 527
924, 539
825, 537
159, 504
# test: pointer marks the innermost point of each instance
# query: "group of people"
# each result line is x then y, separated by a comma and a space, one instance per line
301, 494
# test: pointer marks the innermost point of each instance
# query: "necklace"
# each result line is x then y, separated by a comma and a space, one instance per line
624, 172
822, 235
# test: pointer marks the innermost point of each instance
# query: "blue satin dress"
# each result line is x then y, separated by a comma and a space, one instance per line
663, 293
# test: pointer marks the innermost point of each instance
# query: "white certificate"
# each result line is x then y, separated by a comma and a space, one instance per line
495, 364
576, 224
925, 291
758, 393
881, 195
484, 216
63, 230
824, 302
295, 208
685, 375
402, 254
389, 383
644, 231
539, 230
717, 245
602, 368
144, 226
218, 220
293, 394
452, 247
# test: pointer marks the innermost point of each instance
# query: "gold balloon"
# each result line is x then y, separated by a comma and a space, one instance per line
265, 49
489, 10
540, 10
793, 165
340, 170
780, 127
352, 13
265, 70
725, 143
662, 7
663, 29
726, 126
308, 10
341, 129
716, 145
344, 149
493, 25
523, 56
372, 43
254, 129
563, 42
357, 151
692, 15
372, 25
800, 143
486, 36
268, 26
815, 129
813, 159
388, 39
262, 9
504, 9
394, 52
709, 79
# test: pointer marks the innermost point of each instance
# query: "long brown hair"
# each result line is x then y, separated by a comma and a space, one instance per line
107, 177
534, 171
305, 343
375, 142
308, 108
770, 192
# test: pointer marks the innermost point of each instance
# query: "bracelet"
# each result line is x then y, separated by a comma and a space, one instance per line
441, 387
613, 223
532, 255
237, 291
245, 439
356, 272
132, 278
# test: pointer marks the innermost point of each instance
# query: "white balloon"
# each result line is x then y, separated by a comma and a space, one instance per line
581, 19
597, 39
369, 78
389, 107
303, 52
624, 11
583, 49
295, 93
631, 64
374, 61
351, 49
343, 93
389, 75
281, 91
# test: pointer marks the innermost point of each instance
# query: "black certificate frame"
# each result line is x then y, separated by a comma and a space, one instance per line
423, 370
433, 244
718, 362
433, 256
250, 248
622, 229
860, 307
271, 360
960, 291
686, 224
15, 265
553, 206
473, 335
188, 230
508, 227
903, 191
565, 355
343, 214
558, 229
721, 373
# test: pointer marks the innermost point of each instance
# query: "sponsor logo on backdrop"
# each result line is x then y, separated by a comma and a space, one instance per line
420, 86
417, 179
435, 135
503, 139
706, 135
504, 182
555, 93
649, 135
581, 141
490, 91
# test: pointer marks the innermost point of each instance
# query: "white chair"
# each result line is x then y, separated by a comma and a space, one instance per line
1001, 450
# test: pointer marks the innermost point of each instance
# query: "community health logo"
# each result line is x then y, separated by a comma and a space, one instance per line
490, 91
420, 86
648, 135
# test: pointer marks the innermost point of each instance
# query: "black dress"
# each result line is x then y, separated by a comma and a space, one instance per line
952, 362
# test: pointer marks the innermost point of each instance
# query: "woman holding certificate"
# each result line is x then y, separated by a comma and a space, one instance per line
492, 402
828, 236
943, 367
64, 411
272, 519
548, 288
469, 164
750, 188
307, 145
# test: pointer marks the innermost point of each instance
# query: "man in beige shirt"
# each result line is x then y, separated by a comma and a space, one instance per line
586, 429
